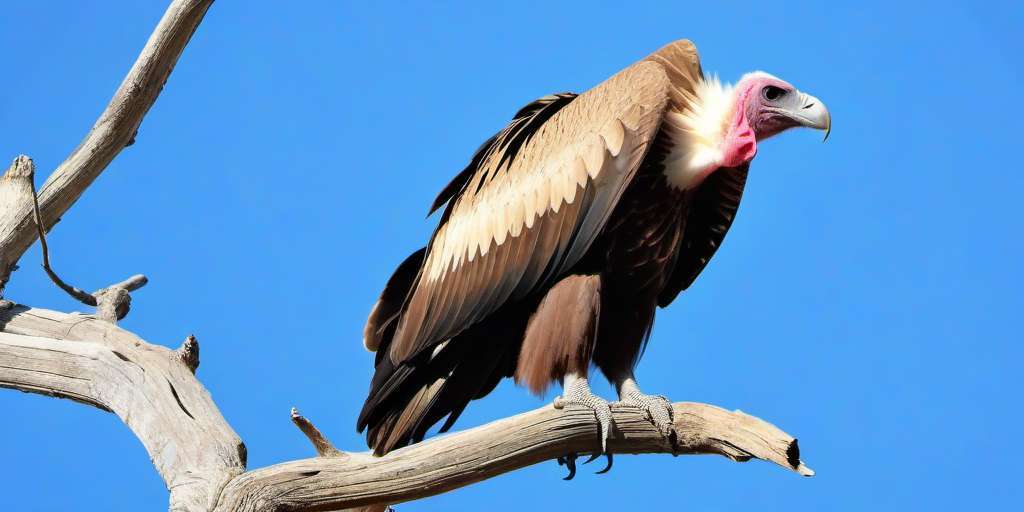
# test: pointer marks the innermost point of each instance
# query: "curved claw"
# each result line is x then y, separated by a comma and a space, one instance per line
593, 457
569, 461
577, 392
608, 467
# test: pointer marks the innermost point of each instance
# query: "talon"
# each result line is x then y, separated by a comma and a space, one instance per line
577, 392
593, 457
657, 408
608, 467
569, 461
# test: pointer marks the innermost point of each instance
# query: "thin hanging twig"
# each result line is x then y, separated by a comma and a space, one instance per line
80, 295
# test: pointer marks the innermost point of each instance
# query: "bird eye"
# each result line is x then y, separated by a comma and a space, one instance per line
772, 93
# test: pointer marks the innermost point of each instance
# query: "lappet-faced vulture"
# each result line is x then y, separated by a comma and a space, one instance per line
562, 237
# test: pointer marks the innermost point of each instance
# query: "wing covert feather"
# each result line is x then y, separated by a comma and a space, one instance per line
521, 221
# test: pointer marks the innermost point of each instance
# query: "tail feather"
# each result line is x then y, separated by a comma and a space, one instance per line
409, 397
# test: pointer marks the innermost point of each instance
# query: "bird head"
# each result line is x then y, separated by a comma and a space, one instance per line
772, 106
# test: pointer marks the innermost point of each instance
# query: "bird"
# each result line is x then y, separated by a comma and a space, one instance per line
561, 239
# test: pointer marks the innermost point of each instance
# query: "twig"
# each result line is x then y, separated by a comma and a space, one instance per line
77, 293
112, 303
323, 447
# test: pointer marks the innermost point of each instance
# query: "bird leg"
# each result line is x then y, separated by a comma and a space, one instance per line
576, 391
657, 407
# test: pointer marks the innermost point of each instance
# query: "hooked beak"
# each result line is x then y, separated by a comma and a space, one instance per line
811, 112
804, 110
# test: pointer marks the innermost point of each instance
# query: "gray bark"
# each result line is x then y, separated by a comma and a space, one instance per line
456, 460
151, 388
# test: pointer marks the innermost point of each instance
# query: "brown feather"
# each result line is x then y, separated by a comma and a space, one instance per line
713, 208
436, 310
682, 64
560, 335
391, 299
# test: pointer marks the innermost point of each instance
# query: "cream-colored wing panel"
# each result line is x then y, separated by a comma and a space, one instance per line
554, 195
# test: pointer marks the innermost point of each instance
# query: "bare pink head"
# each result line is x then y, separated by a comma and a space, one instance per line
765, 106
772, 106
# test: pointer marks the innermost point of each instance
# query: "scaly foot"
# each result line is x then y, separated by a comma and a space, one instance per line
657, 407
577, 392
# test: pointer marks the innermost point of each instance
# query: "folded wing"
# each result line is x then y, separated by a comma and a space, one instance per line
531, 206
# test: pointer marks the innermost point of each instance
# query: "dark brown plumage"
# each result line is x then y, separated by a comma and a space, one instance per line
560, 334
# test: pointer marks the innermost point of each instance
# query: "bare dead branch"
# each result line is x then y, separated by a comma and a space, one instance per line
133, 283
115, 129
155, 393
76, 293
148, 386
323, 446
448, 462
17, 190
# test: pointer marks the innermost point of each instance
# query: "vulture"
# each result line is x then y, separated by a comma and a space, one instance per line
562, 237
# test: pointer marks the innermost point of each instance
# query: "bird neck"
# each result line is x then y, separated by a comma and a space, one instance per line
709, 131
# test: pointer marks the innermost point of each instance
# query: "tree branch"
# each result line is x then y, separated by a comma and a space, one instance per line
114, 130
75, 293
323, 447
200, 457
17, 191
456, 460
149, 387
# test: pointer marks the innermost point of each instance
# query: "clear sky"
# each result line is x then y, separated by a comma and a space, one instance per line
867, 299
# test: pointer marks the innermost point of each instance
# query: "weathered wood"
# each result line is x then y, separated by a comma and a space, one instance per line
15, 198
448, 462
199, 456
115, 129
149, 387
114, 301
323, 446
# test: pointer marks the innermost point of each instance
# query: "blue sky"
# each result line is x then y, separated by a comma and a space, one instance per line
866, 300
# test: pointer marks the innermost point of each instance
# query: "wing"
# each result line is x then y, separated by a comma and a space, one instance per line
711, 212
532, 208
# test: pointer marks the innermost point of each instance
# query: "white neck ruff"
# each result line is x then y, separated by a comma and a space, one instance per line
698, 131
